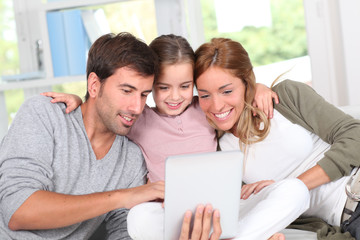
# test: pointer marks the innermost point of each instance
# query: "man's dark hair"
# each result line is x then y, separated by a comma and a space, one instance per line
111, 52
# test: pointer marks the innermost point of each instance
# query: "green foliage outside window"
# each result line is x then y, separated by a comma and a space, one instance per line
286, 39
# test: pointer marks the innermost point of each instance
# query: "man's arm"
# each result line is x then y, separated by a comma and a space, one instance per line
28, 200
46, 210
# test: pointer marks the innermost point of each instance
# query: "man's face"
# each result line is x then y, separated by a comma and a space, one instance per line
121, 99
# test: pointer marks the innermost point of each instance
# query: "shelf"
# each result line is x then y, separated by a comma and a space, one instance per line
40, 82
67, 4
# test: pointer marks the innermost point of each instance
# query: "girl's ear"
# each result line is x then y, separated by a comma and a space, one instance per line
93, 85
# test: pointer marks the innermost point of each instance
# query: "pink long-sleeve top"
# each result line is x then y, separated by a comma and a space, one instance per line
160, 136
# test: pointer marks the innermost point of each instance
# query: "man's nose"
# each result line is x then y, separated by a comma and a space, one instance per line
136, 105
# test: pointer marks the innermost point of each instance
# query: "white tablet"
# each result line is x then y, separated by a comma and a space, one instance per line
203, 178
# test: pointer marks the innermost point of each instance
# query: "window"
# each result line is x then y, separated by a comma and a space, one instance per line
272, 31
136, 17
9, 56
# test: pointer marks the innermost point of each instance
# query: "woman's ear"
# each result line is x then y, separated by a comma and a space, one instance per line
93, 85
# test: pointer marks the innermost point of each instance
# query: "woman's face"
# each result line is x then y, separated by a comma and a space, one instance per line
221, 97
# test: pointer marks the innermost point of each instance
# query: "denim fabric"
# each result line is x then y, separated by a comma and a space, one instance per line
352, 225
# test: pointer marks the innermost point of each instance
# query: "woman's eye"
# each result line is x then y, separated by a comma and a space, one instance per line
204, 96
163, 88
185, 86
227, 91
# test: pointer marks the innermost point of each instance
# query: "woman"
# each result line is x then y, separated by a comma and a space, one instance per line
308, 138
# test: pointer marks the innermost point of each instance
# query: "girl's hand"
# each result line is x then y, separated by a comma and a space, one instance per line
72, 101
264, 99
254, 188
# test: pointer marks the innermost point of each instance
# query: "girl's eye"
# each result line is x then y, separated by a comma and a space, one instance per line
185, 86
163, 88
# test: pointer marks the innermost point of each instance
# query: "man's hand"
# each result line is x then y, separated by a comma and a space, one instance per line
144, 193
202, 224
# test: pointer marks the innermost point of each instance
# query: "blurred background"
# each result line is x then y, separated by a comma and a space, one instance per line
314, 41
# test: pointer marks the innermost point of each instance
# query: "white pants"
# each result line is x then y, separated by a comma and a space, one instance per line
260, 216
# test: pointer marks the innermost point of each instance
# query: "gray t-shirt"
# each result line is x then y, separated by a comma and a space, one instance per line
47, 149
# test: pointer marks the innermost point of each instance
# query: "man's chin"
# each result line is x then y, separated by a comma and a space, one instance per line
123, 131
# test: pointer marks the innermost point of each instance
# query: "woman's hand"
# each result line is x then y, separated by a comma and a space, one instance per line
72, 101
263, 99
254, 188
202, 224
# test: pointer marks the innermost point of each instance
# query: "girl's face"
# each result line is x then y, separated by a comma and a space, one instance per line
221, 97
173, 91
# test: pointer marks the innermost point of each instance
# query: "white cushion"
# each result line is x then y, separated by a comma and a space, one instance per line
295, 234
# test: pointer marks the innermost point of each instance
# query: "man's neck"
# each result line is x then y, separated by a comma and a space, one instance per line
101, 139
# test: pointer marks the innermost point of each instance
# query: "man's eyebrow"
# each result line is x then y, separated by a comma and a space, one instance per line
134, 88
127, 85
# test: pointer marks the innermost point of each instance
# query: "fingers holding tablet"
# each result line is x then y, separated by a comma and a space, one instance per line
202, 224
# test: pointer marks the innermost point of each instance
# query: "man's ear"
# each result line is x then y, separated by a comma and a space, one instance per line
93, 85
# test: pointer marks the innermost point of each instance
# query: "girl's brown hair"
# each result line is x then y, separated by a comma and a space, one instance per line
172, 49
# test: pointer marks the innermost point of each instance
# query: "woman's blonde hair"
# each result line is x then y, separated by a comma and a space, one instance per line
233, 58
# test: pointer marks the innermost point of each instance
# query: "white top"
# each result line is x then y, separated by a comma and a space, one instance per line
286, 152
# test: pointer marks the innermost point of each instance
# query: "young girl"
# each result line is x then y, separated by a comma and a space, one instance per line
176, 125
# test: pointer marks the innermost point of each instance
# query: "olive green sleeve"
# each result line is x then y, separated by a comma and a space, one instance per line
303, 106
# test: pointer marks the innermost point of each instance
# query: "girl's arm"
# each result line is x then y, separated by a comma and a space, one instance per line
72, 101
264, 99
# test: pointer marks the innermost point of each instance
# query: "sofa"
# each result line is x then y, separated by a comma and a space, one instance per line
295, 234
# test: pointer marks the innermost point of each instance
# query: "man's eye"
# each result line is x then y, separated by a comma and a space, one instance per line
145, 95
126, 91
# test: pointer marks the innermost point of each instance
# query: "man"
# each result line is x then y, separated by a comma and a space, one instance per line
62, 175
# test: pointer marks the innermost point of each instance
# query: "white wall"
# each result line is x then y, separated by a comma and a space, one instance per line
349, 21
334, 48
